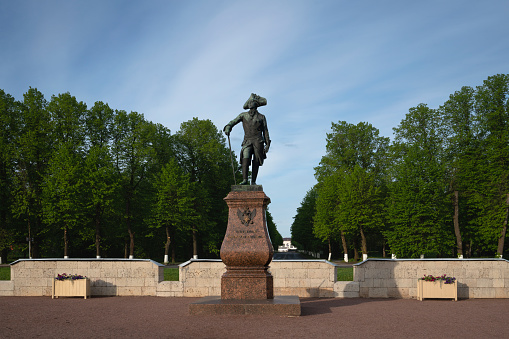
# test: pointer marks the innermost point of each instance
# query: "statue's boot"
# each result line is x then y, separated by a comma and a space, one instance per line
245, 171
254, 171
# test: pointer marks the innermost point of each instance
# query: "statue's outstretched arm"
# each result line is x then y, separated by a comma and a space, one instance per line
227, 129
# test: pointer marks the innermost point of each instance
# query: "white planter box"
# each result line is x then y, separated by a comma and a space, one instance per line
71, 288
436, 289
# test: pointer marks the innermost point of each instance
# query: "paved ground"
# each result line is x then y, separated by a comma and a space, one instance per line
153, 317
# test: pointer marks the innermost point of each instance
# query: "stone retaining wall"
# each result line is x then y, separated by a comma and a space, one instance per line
6, 288
373, 278
397, 278
118, 277
305, 278
198, 278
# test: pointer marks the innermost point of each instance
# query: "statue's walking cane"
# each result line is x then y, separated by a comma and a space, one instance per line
231, 158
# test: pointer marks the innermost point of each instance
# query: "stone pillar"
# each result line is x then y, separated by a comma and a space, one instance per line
246, 250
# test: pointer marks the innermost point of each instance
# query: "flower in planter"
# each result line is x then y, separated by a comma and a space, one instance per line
65, 276
444, 278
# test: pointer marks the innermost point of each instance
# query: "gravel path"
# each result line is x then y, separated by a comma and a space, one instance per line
156, 317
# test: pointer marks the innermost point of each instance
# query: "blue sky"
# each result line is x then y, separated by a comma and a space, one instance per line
316, 62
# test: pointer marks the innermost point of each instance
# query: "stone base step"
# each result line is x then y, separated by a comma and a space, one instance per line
279, 306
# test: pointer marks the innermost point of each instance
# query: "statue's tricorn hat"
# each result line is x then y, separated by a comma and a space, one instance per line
255, 101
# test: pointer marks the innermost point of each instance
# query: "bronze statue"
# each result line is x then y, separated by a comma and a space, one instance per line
256, 137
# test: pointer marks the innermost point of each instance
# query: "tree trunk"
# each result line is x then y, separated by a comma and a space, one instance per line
30, 249
355, 251
66, 243
35, 248
173, 252
469, 249
129, 229
343, 242
501, 240
195, 245
3, 258
364, 244
459, 243
36, 251
126, 248
173, 247
330, 250
131, 244
98, 230
167, 245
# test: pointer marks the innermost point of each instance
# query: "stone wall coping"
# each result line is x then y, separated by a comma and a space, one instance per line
184, 264
432, 259
310, 260
219, 260
86, 259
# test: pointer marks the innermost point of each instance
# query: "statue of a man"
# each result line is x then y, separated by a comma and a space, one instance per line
256, 137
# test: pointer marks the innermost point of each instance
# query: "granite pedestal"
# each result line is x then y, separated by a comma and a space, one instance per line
247, 285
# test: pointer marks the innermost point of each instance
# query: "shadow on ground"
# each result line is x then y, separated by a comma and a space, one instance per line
316, 306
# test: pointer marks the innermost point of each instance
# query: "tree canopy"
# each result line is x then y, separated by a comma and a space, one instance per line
83, 182
440, 188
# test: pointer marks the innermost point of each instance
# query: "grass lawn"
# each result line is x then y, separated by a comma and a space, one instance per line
345, 274
5, 273
171, 274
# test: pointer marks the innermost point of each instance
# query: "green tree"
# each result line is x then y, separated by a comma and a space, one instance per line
33, 149
361, 208
132, 155
418, 209
174, 208
351, 148
99, 125
275, 237
8, 130
325, 223
350, 145
99, 171
67, 118
164, 151
461, 149
100, 190
302, 227
477, 144
492, 107
63, 182
62, 192
202, 153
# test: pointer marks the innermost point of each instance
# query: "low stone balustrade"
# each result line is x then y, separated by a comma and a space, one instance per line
397, 278
115, 277
373, 278
305, 278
